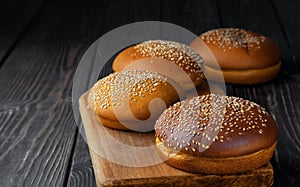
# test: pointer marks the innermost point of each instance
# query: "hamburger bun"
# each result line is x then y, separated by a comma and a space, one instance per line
214, 134
175, 60
132, 99
242, 57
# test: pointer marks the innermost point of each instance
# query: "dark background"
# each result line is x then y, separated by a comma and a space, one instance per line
42, 41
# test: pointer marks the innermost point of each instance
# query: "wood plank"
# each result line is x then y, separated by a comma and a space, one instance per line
117, 164
200, 16
15, 18
275, 95
288, 17
37, 125
81, 172
149, 11
35, 145
118, 13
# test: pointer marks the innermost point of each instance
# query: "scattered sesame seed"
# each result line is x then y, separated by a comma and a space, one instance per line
125, 84
201, 120
231, 38
182, 55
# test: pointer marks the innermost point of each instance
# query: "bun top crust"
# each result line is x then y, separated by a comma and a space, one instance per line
184, 56
239, 49
131, 91
216, 126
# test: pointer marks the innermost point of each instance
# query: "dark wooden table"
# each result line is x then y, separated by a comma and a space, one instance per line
42, 42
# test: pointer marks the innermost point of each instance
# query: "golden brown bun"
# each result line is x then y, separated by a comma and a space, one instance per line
132, 99
242, 56
221, 131
229, 165
150, 55
252, 76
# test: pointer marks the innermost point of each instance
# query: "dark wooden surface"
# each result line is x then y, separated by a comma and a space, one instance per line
42, 41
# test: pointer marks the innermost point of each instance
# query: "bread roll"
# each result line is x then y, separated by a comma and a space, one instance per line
243, 57
175, 60
132, 99
214, 134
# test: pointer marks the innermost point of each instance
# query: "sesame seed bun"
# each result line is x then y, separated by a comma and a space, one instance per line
243, 57
150, 55
132, 99
215, 134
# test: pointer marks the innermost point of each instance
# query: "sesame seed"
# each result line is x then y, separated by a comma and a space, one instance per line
197, 121
131, 84
232, 38
182, 55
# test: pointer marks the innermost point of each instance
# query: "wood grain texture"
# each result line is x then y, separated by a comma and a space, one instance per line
288, 18
39, 143
31, 153
16, 17
257, 16
81, 172
283, 103
275, 95
147, 11
118, 13
103, 151
200, 16
37, 125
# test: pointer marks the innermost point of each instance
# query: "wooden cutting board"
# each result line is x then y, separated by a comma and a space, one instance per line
108, 146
